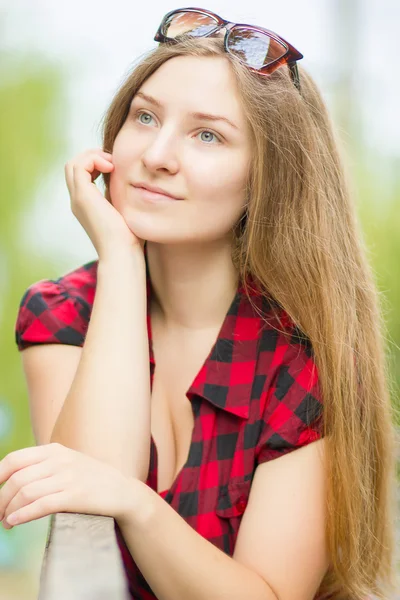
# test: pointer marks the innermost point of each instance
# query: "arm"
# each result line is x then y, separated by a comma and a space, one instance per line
106, 412
280, 552
49, 370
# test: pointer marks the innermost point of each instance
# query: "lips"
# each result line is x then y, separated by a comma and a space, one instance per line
156, 190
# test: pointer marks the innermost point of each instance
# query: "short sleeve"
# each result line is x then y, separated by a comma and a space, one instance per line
50, 314
292, 411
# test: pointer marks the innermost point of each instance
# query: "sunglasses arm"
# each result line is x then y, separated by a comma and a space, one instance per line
294, 73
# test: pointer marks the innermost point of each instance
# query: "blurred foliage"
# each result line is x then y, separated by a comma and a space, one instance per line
379, 212
31, 140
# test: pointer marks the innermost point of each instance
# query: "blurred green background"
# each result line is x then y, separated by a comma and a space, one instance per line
35, 142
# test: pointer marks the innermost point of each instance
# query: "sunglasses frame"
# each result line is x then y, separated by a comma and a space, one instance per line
290, 57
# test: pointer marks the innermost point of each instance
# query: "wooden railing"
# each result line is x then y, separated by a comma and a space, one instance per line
82, 560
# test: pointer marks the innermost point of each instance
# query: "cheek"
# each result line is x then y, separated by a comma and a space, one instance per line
127, 148
116, 189
222, 183
219, 202
125, 156
226, 171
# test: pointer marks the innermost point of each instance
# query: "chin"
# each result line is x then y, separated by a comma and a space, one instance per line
141, 227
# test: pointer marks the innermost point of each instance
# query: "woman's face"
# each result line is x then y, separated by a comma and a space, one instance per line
203, 162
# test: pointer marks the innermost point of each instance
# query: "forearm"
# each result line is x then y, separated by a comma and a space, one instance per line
106, 413
177, 562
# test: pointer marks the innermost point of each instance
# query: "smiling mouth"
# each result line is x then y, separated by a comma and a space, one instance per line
154, 196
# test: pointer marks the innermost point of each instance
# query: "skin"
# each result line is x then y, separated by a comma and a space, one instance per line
188, 243
189, 258
51, 478
206, 164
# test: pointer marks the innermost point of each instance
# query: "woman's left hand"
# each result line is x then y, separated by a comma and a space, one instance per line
51, 478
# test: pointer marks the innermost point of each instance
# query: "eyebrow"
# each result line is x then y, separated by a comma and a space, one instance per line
196, 115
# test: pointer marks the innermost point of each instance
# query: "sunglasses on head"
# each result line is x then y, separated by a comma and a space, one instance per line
261, 50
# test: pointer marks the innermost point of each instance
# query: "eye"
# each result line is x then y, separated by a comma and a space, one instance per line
139, 113
211, 133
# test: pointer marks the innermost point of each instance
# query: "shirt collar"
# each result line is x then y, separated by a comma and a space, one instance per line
227, 376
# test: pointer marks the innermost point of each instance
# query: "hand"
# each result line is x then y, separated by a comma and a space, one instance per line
52, 478
102, 222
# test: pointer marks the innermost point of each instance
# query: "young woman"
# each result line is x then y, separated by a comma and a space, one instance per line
231, 318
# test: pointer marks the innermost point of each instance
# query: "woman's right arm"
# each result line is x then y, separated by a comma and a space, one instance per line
96, 399
106, 412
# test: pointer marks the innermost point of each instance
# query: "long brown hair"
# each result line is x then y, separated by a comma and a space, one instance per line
300, 240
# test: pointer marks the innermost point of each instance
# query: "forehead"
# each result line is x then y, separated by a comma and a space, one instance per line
197, 83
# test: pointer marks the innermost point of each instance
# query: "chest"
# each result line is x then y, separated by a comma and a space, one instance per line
172, 419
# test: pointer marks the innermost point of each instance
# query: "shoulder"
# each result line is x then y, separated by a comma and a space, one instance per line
289, 404
57, 311
282, 346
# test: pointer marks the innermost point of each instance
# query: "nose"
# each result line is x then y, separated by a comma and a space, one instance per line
160, 155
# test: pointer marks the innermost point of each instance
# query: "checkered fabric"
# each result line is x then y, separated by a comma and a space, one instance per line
255, 398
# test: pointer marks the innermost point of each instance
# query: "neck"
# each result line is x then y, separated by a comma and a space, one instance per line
193, 285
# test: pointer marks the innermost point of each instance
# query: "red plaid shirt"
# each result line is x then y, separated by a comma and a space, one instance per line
255, 398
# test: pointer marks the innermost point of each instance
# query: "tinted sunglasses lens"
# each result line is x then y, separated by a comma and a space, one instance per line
255, 48
188, 23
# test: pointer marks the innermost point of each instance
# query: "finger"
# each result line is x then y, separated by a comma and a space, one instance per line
97, 151
21, 479
91, 161
69, 177
87, 163
43, 507
106, 169
33, 492
14, 461
87, 174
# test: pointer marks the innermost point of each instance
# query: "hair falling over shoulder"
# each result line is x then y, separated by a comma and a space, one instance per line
301, 242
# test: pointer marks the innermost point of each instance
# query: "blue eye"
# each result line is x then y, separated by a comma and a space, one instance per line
140, 113
206, 131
